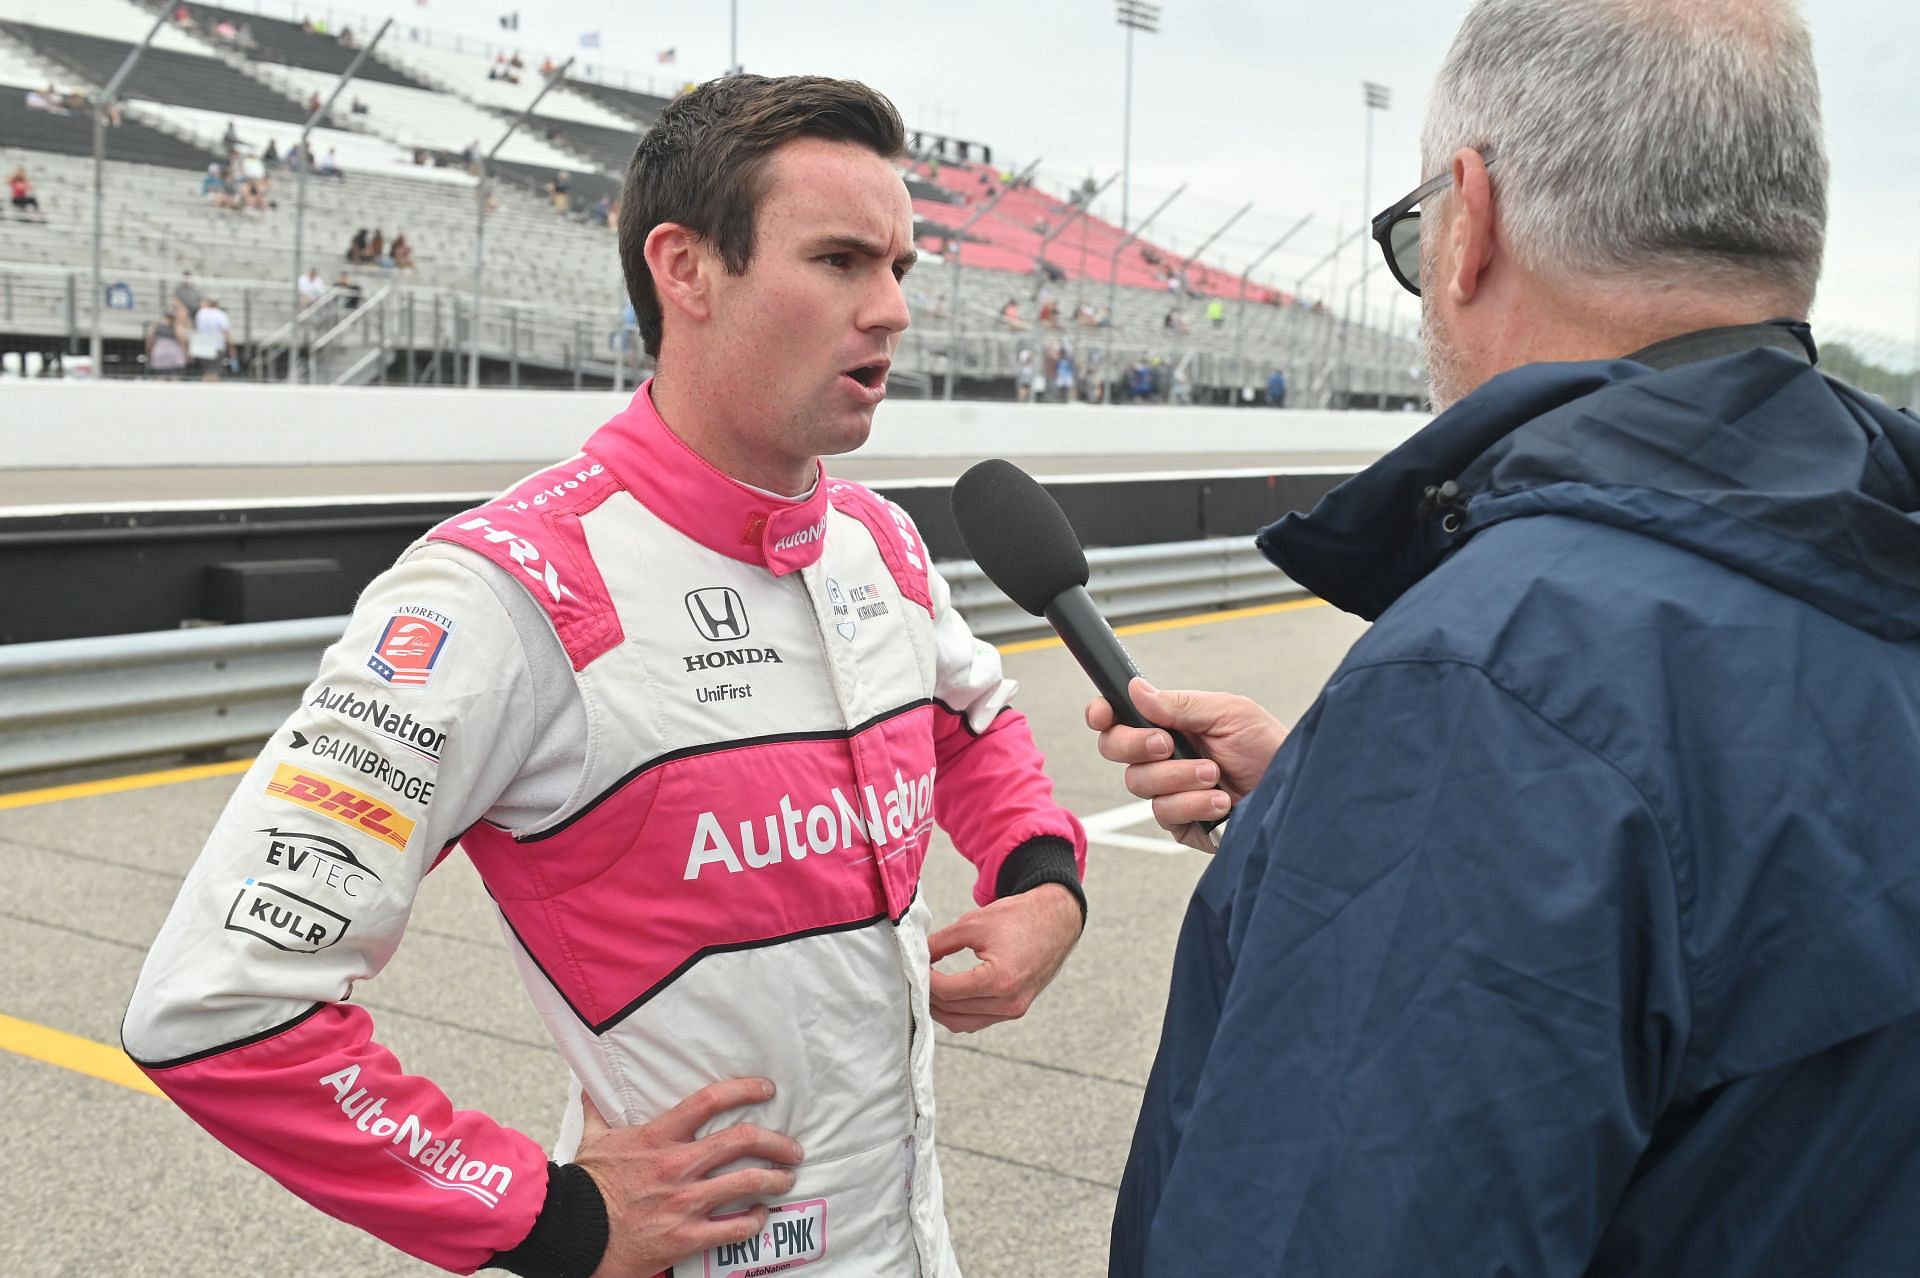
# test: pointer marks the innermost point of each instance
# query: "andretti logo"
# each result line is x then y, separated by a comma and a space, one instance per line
340, 803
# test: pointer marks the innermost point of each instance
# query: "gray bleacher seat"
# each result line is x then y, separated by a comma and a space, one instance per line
278, 40
161, 75
73, 135
610, 149
644, 108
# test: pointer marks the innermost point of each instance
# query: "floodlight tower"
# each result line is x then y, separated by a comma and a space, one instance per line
1134, 15
1379, 98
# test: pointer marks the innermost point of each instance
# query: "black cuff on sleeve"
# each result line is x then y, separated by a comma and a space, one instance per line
1043, 859
568, 1237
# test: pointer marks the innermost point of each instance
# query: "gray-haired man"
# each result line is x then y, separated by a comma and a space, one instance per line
1574, 930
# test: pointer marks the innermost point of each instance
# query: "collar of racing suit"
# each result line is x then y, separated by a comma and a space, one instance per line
700, 502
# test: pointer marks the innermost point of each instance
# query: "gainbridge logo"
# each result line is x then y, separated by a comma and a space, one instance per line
340, 803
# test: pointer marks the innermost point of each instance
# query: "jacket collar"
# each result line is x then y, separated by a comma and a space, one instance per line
1373, 536
700, 502
1792, 336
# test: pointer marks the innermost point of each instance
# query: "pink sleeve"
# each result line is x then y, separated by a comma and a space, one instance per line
327, 1112
994, 794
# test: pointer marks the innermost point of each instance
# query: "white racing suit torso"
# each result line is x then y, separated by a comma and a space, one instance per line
695, 753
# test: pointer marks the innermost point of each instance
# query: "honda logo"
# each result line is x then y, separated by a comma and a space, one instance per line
718, 613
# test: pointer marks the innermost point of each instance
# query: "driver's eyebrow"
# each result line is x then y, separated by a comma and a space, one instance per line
866, 248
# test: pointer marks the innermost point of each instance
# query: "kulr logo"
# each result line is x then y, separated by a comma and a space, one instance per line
718, 614
285, 920
340, 803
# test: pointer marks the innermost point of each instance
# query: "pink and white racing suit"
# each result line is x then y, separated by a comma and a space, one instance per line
694, 738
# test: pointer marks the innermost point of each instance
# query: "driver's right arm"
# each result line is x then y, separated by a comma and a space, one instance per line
416, 726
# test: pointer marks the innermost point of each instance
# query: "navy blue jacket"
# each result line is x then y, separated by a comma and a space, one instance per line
1575, 930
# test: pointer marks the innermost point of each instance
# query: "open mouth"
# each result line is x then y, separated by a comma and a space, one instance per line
871, 376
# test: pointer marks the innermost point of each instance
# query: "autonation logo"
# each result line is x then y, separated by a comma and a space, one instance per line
795, 832
438, 1162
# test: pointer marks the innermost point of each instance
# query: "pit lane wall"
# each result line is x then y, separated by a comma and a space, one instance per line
65, 424
101, 570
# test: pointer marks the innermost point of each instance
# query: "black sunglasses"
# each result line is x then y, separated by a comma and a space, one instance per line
1397, 230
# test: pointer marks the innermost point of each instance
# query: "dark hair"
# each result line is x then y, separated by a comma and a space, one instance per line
703, 164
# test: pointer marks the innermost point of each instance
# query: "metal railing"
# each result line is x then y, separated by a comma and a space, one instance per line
84, 701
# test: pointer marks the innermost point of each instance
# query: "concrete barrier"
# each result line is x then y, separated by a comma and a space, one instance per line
50, 424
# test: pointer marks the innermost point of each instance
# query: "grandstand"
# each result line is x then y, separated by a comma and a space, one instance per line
552, 284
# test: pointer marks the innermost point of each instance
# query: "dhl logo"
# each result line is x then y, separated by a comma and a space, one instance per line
340, 803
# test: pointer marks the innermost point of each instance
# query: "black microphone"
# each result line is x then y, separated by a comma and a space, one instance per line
1021, 539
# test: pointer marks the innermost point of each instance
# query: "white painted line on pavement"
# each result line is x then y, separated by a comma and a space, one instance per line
1104, 828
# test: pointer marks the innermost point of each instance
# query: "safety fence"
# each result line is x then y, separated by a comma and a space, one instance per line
72, 702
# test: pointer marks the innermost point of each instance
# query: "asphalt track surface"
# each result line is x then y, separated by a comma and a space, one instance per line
1034, 1116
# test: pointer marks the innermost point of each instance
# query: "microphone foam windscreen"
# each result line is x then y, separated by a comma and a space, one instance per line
1018, 534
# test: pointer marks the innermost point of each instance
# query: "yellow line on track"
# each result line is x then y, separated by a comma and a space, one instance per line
70, 1051
116, 785
1177, 623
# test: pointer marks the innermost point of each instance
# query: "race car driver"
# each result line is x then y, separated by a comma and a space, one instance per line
691, 708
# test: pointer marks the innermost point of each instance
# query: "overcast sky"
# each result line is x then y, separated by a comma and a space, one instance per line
1242, 100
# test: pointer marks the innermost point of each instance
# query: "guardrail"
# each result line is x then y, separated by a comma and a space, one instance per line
83, 701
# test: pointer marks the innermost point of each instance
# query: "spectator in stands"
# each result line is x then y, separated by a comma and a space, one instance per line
314, 102
346, 38
1139, 383
48, 101
357, 250
329, 166
349, 292
20, 194
547, 67
377, 249
1049, 311
187, 294
1277, 389
224, 30
602, 210
211, 343
1063, 374
1084, 315
1216, 312
359, 107
166, 344
515, 61
1024, 375
271, 156
244, 38
420, 157
558, 191
401, 253
1010, 314
215, 188
312, 287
